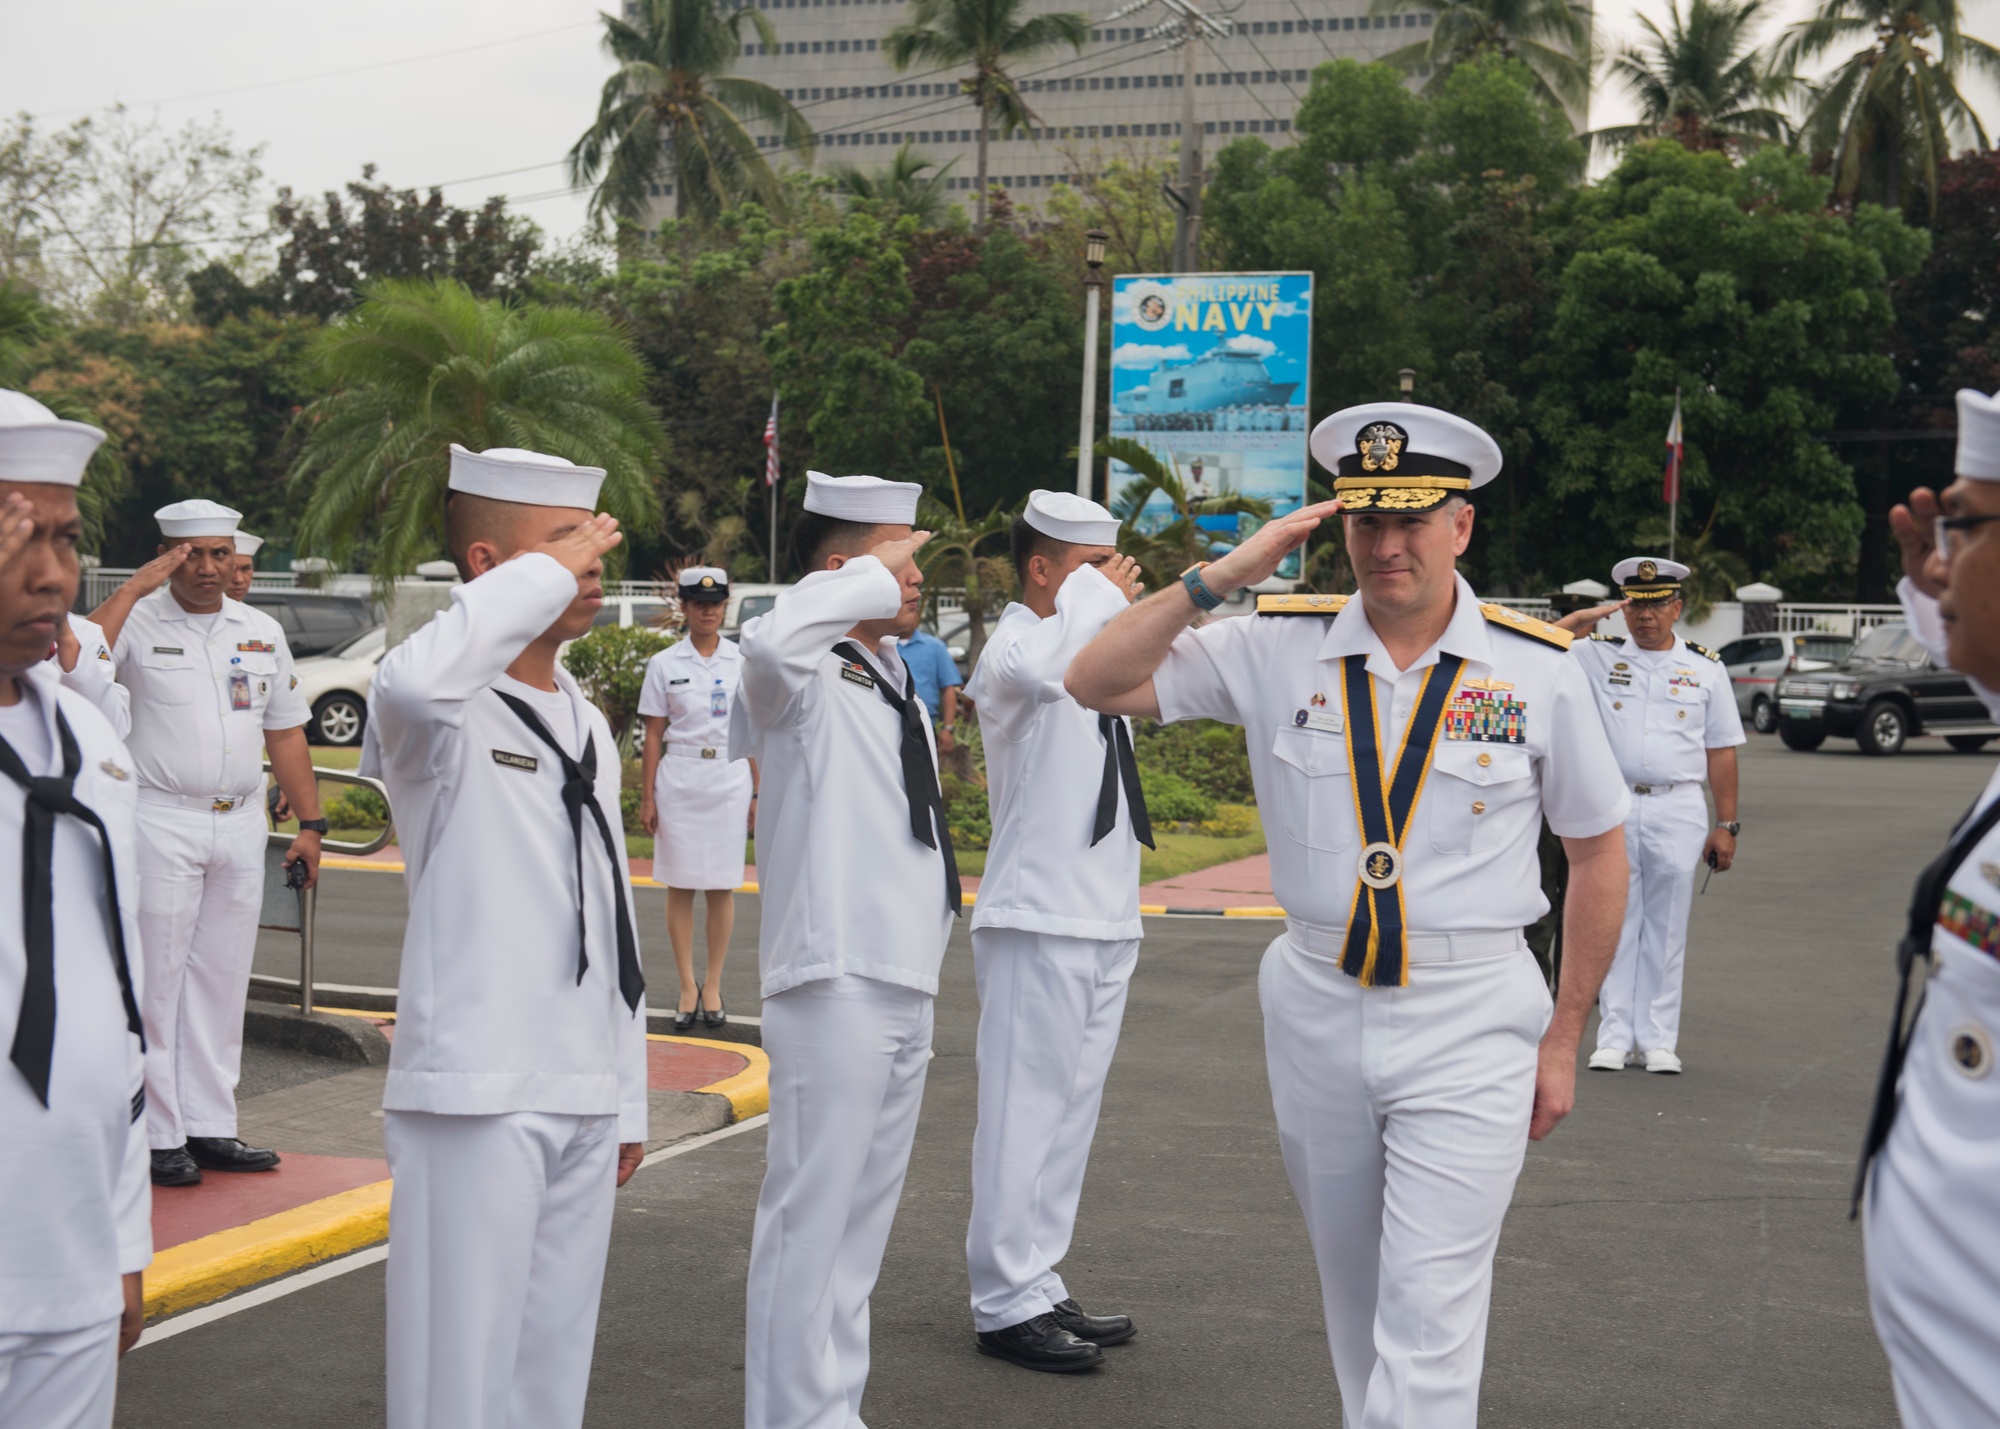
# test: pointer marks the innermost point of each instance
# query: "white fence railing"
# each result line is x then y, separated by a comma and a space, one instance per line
1806, 617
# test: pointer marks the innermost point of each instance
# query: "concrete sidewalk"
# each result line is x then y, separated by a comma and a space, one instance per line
1238, 889
330, 1195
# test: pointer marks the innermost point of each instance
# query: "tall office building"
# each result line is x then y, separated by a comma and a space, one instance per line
1123, 94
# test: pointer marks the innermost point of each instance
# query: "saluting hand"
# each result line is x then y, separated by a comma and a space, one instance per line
1123, 572
1580, 622
68, 648
897, 555
1915, 526
156, 572
581, 549
17, 526
1262, 554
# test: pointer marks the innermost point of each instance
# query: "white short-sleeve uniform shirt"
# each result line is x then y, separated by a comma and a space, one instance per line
1663, 709
1470, 853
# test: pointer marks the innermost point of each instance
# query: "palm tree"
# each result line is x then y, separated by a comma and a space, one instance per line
422, 364
971, 556
988, 35
1551, 37
1165, 553
902, 186
1701, 81
1893, 106
25, 323
672, 112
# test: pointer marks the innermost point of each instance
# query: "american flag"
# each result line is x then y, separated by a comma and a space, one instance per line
771, 444
1670, 486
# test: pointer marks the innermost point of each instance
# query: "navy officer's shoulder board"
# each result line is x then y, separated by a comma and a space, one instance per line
1508, 619
1703, 651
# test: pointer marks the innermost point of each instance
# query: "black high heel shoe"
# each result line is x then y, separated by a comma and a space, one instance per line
685, 1020
716, 1018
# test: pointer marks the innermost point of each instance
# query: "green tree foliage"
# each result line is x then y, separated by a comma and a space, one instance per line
989, 36
911, 184
1702, 81
609, 664
422, 365
672, 113
1551, 37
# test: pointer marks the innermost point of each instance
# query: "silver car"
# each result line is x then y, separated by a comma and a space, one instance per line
1757, 662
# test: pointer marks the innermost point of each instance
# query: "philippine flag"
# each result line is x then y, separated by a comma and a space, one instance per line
1670, 488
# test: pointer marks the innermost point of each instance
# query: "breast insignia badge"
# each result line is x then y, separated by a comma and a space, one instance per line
110, 766
1381, 865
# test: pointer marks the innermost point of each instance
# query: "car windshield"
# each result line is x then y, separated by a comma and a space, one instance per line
1889, 644
369, 642
1824, 647
752, 606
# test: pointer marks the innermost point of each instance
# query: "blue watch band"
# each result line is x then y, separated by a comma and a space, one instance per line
1198, 591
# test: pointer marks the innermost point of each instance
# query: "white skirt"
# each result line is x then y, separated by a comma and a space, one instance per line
704, 809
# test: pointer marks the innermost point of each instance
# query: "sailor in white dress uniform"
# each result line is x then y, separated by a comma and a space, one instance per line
1668, 706
243, 570
516, 1097
82, 657
860, 890
1932, 1220
697, 800
213, 689
1055, 934
75, 1203
1404, 751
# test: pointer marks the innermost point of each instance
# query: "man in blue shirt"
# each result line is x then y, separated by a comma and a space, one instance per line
935, 675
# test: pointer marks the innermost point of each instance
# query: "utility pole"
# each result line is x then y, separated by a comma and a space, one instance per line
1188, 26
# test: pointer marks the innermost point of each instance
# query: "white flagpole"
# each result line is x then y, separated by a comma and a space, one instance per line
1674, 506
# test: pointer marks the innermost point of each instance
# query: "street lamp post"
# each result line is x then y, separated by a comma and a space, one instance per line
1406, 380
1093, 285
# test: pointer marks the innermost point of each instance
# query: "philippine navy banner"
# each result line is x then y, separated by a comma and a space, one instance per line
1211, 371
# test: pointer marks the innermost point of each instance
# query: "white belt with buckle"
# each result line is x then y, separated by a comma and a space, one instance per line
207, 803
1662, 788
694, 751
1326, 942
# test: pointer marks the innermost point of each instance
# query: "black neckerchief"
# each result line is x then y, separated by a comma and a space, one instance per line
920, 781
1120, 766
35, 1033
1913, 955
579, 792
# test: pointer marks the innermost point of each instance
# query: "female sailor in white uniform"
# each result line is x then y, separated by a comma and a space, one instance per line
697, 802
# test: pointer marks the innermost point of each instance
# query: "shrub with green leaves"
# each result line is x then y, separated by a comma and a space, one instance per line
1232, 821
966, 812
1213, 757
610, 664
1171, 799
356, 807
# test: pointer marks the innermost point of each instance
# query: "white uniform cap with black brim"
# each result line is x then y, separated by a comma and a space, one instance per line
1400, 456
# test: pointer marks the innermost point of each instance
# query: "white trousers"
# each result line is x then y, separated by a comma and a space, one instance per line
1639, 1007
1049, 1012
201, 887
64, 1380
1403, 1114
498, 1230
848, 1059
1932, 1220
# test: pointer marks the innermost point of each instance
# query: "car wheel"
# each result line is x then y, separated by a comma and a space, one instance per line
1803, 740
1763, 715
1968, 743
1884, 727
339, 719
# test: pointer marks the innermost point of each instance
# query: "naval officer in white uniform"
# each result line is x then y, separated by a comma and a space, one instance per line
1932, 1219
1915, 526
860, 890
243, 570
75, 1204
516, 1099
696, 800
213, 690
1405, 751
1055, 934
1668, 706
82, 657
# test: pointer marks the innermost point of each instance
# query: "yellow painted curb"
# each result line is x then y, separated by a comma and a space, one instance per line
211, 1266
749, 1091
1253, 912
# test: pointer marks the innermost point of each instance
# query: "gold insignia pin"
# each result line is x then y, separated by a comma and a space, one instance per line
1487, 685
1648, 571
1991, 871
110, 766
1621, 665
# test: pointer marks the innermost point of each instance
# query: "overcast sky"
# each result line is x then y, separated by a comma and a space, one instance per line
516, 104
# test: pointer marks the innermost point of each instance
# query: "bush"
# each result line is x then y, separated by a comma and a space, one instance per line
1213, 757
1232, 821
1171, 799
966, 812
630, 787
356, 807
610, 664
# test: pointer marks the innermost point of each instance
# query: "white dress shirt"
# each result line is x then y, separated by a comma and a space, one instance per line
1663, 709
1044, 766
197, 728
847, 888
1470, 853
491, 1016
96, 675
683, 685
75, 1185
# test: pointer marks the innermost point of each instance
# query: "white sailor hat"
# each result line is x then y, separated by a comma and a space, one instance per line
704, 583
525, 478
1978, 436
38, 446
1399, 456
247, 544
867, 500
1065, 516
199, 517
1649, 578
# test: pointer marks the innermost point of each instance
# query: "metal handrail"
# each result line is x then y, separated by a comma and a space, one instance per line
309, 897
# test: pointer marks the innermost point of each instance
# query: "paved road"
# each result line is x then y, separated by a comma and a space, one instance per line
1678, 1254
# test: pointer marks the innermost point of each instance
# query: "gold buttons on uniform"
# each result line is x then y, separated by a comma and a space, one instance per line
1478, 806
1618, 704
1680, 714
1484, 760
1971, 1050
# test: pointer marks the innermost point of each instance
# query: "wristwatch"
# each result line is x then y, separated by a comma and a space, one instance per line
1197, 589
313, 826
1729, 826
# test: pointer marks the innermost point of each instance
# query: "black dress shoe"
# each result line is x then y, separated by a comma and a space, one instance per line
226, 1153
1098, 1329
174, 1167
1041, 1344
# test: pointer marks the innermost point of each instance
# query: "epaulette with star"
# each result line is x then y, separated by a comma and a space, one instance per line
1527, 625
1607, 639
1302, 604
1702, 650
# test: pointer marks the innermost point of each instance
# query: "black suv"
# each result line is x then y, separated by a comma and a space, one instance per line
315, 624
1885, 691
